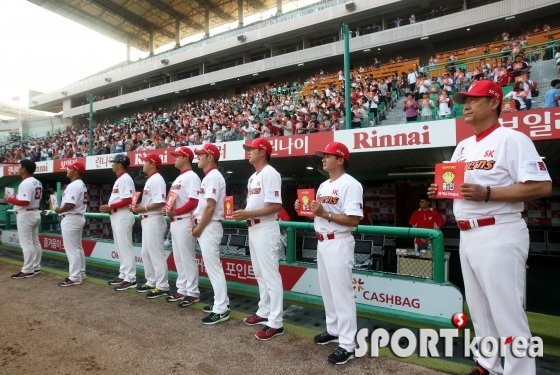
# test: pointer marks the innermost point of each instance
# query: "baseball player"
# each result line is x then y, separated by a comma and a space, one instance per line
122, 221
502, 170
74, 203
264, 201
153, 229
425, 217
186, 187
338, 210
207, 218
28, 218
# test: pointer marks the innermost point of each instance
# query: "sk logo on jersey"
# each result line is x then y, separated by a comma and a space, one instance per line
335, 192
489, 153
176, 187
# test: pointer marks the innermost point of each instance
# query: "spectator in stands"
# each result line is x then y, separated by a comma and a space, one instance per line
518, 94
535, 54
434, 89
398, 22
505, 36
441, 11
552, 96
426, 106
518, 67
433, 13
546, 27
412, 19
537, 29
356, 116
549, 49
410, 108
528, 87
444, 104
411, 78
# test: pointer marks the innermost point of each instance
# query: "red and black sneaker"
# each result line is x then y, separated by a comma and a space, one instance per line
267, 333
255, 319
188, 300
175, 297
23, 275
69, 282
125, 285
115, 281
479, 370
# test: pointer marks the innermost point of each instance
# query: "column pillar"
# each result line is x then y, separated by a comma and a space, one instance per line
246, 57
273, 51
278, 7
151, 42
206, 22
305, 42
128, 49
240, 12
464, 4
383, 22
177, 33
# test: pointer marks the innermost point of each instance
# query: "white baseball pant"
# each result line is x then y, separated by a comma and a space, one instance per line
494, 274
335, 259
153, 254
209, 242
185, 260
122, 222
71, 228
28, 233
263, 245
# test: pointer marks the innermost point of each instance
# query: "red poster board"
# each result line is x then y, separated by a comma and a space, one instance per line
305, 197
448, 178
170, 200
228, 207
135, 199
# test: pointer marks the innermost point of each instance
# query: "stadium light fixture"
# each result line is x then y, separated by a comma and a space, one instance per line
145, 100
241, 38
468, 29
310, 168
213, 84
63, 93
300, 64
425, 38
367, 50
351, 6
255, 74
510, 18
108, 79
118, 106
165, 61
229, 172
177, 92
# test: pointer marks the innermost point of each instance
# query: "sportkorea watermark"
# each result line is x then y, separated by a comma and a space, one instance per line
425, 342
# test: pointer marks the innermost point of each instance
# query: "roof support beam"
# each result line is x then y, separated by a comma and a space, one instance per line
132, 17
175, 14
216, 10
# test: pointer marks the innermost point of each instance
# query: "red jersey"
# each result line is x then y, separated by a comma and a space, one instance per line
430, 219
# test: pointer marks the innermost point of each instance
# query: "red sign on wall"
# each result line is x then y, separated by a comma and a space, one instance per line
537, 124
60, 165
298, 145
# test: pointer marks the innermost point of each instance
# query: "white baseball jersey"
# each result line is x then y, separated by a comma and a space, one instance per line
76, 193
212, 186
123, 188
30, 189
264, 188
342, 196
186, 186
502, 158
154, 192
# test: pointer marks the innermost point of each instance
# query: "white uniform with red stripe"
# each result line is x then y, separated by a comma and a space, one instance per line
186, 186
28, 220
122, 222
335, 257
153, 234
71, 228
264, 189
213, 186
493, 265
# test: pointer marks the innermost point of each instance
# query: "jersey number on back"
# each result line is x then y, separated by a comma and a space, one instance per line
38, 193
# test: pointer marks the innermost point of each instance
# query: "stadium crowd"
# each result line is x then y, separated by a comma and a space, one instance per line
281, 110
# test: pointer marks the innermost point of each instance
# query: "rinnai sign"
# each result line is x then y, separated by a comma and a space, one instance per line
399, 137
537, 124
61, 165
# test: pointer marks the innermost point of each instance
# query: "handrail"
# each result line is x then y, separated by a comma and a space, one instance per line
435, 236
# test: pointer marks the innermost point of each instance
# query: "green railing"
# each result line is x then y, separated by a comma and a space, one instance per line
291, 227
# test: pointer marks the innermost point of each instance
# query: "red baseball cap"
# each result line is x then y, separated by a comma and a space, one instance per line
209, 148
484, 88
80, 167
335, 148
152, 157
261, 144
183, 151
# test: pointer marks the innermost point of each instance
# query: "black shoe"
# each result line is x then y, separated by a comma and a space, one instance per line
340, 356
22, 275
36, 272
175, 297
325, 338
115, 281
214, 318
189, 300
68, 282
155, 293
125, 285
209, 308
145, 288
479, 370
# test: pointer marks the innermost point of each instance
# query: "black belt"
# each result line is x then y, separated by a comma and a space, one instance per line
64, 215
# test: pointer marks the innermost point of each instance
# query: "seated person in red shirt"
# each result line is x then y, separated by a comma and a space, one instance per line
425, 217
